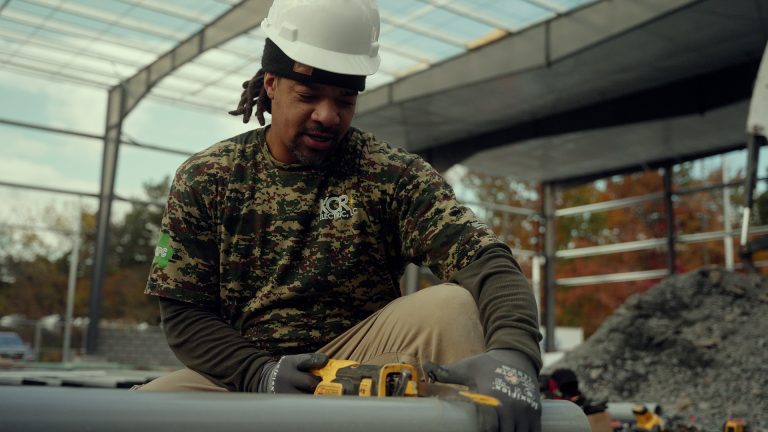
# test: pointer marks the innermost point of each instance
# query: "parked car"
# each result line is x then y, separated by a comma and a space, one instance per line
12, 347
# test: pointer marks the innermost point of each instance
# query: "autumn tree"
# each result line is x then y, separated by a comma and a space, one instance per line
34, 278
131, 252
32, 272
588, 305
519, 231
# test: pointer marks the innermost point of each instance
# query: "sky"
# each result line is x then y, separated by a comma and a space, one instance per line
56, 160
53, 160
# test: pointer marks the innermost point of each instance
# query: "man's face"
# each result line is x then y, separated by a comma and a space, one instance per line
308, 120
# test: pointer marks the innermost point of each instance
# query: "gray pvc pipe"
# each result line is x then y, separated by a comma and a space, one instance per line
45, 409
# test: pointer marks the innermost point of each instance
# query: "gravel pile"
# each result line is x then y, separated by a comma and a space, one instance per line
697, 344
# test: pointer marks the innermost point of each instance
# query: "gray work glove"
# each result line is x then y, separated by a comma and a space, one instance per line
291, 374
507, 375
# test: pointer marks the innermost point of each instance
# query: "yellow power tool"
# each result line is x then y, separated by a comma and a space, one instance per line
350, 378
647, 420
735, 425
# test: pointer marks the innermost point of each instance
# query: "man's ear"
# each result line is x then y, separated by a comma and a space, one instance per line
270, 83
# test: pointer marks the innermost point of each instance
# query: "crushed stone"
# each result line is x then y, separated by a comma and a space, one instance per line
696, 344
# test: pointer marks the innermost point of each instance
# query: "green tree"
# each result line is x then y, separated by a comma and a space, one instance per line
133, 242
33, 278
133, 239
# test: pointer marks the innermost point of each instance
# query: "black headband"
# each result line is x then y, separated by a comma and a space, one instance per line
274, 60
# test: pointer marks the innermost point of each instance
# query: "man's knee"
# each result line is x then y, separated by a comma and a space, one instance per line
447, 306
439, 324
450, 324
451, 296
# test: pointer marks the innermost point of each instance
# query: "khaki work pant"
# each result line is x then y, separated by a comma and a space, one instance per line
439, 324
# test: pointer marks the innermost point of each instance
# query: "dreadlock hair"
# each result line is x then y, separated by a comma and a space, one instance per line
253, 93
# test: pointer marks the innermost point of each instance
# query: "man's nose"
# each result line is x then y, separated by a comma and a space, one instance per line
326, 113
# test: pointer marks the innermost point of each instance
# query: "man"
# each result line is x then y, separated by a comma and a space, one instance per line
284, 245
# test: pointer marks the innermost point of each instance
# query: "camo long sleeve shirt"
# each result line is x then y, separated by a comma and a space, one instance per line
292, 256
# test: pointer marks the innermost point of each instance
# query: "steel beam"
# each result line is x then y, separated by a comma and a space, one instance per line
549, 265
609, 205
613, 278
28, 125
524, 62
670, 213
243, 17
115, 114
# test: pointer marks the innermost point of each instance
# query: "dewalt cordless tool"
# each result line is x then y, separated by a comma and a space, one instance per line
647, 421
347, 377
735, 425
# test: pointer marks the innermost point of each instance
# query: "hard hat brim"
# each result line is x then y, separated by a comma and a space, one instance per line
330, 61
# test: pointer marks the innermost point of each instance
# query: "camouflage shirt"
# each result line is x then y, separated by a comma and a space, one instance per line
293, 256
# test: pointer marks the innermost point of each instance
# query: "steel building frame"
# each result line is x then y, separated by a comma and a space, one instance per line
124, 97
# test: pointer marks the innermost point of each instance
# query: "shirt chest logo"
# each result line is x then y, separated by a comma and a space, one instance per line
337, 207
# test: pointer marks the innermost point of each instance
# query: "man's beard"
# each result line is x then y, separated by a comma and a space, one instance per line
311, 157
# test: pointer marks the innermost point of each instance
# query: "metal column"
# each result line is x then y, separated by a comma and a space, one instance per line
74, 258
411, 279
670, 216
727, 218
241, 18
115, 115
549, 265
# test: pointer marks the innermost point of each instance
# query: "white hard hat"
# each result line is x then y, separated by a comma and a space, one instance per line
339, 36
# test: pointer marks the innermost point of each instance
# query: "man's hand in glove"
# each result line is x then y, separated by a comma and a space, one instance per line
505, 374
291, 374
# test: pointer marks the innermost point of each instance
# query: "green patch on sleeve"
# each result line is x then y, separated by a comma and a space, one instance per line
163, 252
